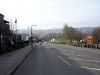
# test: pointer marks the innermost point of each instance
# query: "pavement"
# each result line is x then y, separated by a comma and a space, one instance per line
9, 61
51, 59
54, 59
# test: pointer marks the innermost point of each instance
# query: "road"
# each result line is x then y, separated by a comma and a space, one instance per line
60, 60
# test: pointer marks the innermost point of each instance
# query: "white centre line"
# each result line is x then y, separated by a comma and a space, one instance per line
97, 69
85, 60
64, 60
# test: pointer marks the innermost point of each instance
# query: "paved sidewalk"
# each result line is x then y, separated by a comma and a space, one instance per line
10, 61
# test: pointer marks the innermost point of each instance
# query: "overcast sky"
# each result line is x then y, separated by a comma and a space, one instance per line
52, 13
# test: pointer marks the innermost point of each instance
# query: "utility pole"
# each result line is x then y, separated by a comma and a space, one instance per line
32, 36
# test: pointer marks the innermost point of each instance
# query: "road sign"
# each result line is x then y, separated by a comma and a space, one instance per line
89, 39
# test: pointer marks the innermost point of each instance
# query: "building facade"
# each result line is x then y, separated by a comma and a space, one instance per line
4, 33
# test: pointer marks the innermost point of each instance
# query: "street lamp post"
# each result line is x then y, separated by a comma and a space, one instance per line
31, 36
16, 33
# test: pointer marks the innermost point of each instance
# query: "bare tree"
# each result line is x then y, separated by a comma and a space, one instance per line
78, 35
71, 34
96, 35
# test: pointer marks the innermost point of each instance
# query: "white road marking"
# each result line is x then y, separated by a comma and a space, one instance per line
85, 60
69, 54
76, 55
64, 60
97, 69
90, 68
82, 55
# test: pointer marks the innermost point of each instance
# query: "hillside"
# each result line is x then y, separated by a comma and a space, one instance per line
87, 30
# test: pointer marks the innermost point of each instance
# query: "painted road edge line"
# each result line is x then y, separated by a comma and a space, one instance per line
64, 60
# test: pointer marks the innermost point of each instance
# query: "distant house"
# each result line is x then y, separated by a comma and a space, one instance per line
22, 37
25, 37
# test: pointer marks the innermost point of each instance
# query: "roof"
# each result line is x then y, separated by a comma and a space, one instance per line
6, 21
1, 15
